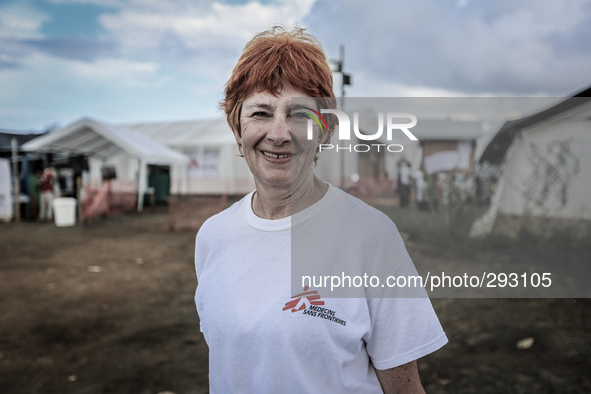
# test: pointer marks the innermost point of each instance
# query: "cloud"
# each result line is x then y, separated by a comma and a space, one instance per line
206, 38
125, 72
501, 47
100, 3
8, 64
47, 89
21, 36
171, 32
150, 59
80, 48
20, 21
54, 80
144, 53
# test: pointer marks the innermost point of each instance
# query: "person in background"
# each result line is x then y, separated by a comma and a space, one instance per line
404, 184
46, 182
420, 186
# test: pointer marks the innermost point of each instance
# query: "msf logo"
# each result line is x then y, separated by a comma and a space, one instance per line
303, 300
392, 120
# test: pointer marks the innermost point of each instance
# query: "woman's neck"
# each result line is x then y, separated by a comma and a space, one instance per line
273, 203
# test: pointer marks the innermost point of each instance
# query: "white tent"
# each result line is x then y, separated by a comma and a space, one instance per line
546, 168
129, 151
215, 166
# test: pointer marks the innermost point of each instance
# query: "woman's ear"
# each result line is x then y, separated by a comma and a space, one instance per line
238, 138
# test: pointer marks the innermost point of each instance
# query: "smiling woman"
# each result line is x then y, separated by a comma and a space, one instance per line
261, 337
280, 159
275, 67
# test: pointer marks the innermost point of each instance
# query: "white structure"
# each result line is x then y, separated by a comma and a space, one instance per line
446, 142
6, 205
442, 145
546, 165
203, 155
214, 166
129, 152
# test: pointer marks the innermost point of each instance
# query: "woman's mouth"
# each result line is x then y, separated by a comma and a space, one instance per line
277, 155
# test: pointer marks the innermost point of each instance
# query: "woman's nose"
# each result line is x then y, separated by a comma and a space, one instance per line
280, 131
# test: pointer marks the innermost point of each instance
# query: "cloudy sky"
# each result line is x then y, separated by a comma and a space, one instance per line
123, 61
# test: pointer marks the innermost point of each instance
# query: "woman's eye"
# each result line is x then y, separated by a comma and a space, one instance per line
300, 115
260, 114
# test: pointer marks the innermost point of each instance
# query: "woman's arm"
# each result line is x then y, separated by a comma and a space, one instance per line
402, 379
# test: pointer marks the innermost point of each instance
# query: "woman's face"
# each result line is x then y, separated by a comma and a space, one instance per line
274, 138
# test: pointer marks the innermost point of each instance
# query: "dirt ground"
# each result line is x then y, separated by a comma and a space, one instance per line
108, 308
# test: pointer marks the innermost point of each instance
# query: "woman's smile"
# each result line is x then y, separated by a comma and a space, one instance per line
277, 157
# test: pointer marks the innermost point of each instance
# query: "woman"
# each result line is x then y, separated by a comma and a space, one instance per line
262, 337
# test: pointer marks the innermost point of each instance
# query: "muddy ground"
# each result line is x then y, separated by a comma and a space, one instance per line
108, 308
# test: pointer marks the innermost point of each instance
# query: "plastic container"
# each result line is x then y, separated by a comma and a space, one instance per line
64, 211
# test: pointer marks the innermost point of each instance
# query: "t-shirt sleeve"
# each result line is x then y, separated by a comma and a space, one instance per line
403, 330
404, 326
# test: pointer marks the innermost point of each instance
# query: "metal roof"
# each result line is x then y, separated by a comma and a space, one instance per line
498, 146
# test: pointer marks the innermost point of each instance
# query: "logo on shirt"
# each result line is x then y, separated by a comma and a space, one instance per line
309, 302
303, 300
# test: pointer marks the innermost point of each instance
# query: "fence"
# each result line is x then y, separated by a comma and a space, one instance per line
190, 212
111, 197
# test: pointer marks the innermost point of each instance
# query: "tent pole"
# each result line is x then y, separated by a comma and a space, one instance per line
15, 180
141, 189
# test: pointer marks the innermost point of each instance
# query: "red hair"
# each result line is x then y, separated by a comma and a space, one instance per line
271, 60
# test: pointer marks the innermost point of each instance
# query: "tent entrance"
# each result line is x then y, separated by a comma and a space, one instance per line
159, 184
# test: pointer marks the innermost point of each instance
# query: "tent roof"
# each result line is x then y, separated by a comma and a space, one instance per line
498, 146
209, 132
101, 140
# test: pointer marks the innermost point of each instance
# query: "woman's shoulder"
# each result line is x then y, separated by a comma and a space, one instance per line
358, 211
228, 217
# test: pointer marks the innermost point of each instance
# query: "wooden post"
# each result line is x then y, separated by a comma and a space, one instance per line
16, 183
79, 197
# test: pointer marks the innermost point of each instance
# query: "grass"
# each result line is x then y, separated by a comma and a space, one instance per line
452, 224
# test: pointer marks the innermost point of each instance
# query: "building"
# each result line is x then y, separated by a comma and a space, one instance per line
546, 170
113, 152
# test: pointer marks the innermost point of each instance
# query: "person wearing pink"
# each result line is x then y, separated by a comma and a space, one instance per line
46, 184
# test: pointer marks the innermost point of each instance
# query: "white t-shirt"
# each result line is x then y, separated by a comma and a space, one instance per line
265, 338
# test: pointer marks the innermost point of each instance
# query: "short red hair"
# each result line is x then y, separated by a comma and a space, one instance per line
271, 60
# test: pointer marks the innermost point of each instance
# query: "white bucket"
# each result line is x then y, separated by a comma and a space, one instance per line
64, 211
